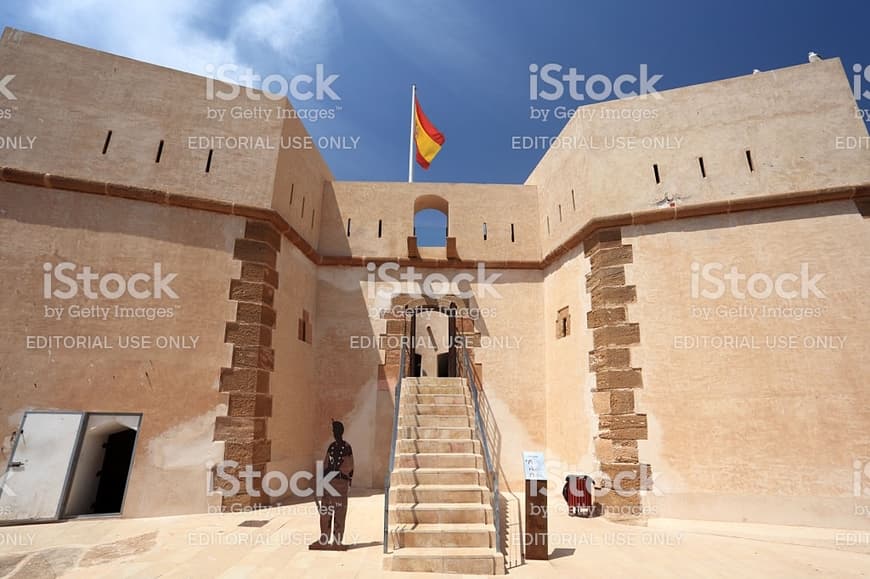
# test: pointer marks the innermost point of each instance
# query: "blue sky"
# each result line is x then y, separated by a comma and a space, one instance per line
470, 60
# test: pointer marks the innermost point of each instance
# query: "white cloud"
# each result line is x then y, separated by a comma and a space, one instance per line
298, 29
166, 32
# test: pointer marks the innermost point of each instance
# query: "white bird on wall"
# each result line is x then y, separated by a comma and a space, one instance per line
755, 71
669, 200
813, 57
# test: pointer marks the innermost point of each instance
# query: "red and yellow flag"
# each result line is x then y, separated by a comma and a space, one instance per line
427, 138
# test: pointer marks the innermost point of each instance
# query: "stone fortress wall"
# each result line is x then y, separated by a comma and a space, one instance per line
586, 345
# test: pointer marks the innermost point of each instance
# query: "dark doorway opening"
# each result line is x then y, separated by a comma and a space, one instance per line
114, 472
433, 339
103, 461
444, 365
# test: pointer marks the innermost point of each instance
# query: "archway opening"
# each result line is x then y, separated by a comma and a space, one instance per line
431, 221
433, 353
430, 228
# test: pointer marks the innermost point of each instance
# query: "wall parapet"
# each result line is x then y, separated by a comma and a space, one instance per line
860, 194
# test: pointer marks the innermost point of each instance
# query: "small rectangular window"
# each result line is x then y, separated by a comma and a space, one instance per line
292, 187
305, 331
484, 231
548, 225
563, 323
560, 213
302, 213
749, 160
106, 143
573, 201
159, 151
208, 161
513, 239
348, 226
701, 165
656, 172
380, 227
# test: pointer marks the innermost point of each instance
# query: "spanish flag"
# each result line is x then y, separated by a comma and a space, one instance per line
427, 138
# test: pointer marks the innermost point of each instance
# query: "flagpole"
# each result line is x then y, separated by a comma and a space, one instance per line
411, 143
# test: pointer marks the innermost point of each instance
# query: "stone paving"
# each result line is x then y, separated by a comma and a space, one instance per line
273, 543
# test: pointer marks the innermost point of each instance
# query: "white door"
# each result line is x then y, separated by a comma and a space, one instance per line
37, 476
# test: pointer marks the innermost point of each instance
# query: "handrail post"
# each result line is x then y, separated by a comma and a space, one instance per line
393, 448
491, 467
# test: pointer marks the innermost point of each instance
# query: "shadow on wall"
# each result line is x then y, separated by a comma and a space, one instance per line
350, 387
510, 541
99, 214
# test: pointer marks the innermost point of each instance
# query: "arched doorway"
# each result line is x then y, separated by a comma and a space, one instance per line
401, 326
433, 339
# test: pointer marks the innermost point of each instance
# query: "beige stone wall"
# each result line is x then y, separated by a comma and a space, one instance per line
300, 181
68, 97
571, 423
470, 206
351, 389
770, 428
294, 425
752, 433
176, 390
790, 119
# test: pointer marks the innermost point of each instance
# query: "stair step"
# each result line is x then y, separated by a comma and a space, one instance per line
439, 409
441, 433
410, 513
440, 493
442, 535
429, 420
437, 445
425, 476
440, 460
470, 560
433, 390
434, 380
414, 398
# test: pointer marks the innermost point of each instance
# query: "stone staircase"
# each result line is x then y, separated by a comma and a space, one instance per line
441, 517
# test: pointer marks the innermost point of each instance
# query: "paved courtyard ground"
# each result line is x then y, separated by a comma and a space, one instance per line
218, 546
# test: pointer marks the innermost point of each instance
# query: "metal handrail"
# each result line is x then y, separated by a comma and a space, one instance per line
393, 447
484, 440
